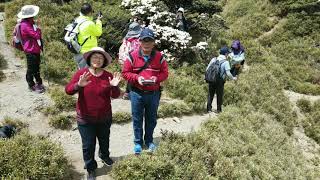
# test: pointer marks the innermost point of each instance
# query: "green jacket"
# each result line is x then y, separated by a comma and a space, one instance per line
89, 29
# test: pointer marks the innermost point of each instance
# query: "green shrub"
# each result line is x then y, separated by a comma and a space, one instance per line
18, 124
62, 101
61, 121
121, 117
174, 109
50, 110
239, 144
3, 62
304, 105
311, 123
31, 157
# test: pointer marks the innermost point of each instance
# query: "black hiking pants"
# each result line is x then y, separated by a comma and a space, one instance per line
33, 69
89, 133
215, 88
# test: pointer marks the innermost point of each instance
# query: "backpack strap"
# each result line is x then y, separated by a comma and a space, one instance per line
79, 31
220, 64
146, 64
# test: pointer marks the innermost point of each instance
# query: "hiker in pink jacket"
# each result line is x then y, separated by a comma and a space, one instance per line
32, 46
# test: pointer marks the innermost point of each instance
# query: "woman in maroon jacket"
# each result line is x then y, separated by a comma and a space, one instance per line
32, 45
95, 88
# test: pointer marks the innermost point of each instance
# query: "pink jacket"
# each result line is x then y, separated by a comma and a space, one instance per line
30, 36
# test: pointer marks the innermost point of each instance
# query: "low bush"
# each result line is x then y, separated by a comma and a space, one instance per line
121, 117
239, 144
3, 62
61, 121
304, 105
174, 109
62, 101
18, 124
311, 123
50, 110
31, 157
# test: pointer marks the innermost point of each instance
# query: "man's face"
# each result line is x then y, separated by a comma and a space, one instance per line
147, 44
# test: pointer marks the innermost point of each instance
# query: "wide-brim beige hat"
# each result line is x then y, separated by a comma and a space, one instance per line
98, 50
28, 11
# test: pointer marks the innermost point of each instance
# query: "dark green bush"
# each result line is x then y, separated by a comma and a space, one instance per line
304, 105
61, 121
121, 117
311, 123
31, 157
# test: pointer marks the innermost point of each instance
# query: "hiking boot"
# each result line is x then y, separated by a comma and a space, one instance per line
91, 175
32, 88
151, 147
39, 88
107, 161
137, 149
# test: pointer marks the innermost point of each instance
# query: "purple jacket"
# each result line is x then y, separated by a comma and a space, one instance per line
29, 37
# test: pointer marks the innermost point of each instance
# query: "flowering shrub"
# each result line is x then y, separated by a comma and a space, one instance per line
171, 40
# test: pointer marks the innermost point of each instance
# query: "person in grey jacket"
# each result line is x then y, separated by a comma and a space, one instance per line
218, 86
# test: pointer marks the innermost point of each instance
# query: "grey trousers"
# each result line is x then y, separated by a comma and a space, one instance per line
81, 62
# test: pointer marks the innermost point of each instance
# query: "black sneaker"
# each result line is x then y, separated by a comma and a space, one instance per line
107, 161
91, 175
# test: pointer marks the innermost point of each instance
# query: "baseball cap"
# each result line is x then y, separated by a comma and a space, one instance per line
147, 33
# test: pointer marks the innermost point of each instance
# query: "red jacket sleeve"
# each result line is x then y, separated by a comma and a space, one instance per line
72, 87
127, 72
163, 75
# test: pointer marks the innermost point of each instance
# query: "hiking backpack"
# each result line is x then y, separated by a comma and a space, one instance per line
71, 36
128, 45
16, 41
212, 74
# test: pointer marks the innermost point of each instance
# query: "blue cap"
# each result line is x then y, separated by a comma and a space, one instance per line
147, 33
224, 50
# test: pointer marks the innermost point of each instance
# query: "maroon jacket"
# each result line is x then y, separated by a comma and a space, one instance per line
94, 100
29, 36
158, 67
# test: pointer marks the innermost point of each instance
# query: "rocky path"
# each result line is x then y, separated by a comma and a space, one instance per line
17, 101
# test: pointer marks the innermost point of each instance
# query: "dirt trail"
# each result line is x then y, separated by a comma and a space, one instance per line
17, 101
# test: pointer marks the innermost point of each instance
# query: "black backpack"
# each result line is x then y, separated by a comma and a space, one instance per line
7, 131
213, 72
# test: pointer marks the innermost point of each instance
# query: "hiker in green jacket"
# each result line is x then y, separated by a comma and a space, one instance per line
89, 31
